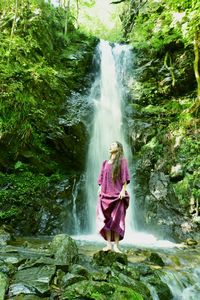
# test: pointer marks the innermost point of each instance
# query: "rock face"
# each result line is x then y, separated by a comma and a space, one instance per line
163, 147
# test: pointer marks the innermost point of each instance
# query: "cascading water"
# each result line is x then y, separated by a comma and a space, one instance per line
108, 121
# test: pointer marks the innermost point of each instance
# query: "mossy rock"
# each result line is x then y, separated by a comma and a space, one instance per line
131, 272
155, 258
99, 291
64, 249
124, 293
107, 258
161, 288
138, 286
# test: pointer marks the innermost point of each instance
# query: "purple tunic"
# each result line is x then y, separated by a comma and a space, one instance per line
111, 210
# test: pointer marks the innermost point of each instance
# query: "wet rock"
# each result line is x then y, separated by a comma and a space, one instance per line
99, 276
142, 268
32, 281
156, 259
70, 279
161, 288
64, 249
7, 268
79, 270
38, 262
5, 236
132, 273
3, 285
103, 258
13, 260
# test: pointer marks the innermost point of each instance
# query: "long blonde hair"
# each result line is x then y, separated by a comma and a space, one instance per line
117, 162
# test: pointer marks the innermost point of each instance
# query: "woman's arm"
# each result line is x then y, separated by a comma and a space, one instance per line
122, 194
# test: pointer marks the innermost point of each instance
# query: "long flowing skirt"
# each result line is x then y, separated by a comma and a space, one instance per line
111, 212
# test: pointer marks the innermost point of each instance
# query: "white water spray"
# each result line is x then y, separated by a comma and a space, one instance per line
108, 121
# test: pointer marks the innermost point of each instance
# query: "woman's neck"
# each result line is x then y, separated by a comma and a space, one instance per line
113, 156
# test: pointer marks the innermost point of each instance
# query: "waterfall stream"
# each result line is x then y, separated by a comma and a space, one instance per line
107, 94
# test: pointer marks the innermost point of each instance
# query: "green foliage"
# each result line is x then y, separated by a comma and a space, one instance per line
37, 75
160, 23
186, 188
23, 189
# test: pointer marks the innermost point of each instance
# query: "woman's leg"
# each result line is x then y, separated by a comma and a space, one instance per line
108, 239
116, 245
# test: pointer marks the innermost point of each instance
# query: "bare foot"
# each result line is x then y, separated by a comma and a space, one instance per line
107, 248
116, 249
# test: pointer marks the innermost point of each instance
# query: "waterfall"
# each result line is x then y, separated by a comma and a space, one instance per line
76, 220
107, 94
184, 284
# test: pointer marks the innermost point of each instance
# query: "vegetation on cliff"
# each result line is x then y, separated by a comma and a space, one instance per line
165, 106
44, 60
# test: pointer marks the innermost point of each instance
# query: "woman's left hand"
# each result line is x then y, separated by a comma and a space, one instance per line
122, 194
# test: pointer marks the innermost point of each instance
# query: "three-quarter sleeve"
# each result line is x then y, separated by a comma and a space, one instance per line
100, 177
125, 176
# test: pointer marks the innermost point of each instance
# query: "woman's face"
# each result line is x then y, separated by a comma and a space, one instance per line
113, 147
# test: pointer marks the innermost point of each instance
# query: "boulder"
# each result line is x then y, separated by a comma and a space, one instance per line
34, 280
107, 258
64, 249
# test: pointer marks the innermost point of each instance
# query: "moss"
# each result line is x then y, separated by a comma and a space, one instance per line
187, 188
24, 192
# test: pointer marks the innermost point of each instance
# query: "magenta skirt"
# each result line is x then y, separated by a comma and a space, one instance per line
111, 212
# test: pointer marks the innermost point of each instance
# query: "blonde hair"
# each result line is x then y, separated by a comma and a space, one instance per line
117, 162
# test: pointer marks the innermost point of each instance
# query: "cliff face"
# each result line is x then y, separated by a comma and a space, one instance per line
163, 128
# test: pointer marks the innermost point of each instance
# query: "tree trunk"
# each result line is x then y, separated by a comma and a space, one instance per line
14, 20
196, 63
66, 16
195, 107
13, 28
77, 12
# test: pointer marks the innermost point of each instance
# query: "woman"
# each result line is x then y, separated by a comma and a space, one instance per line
113, 198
